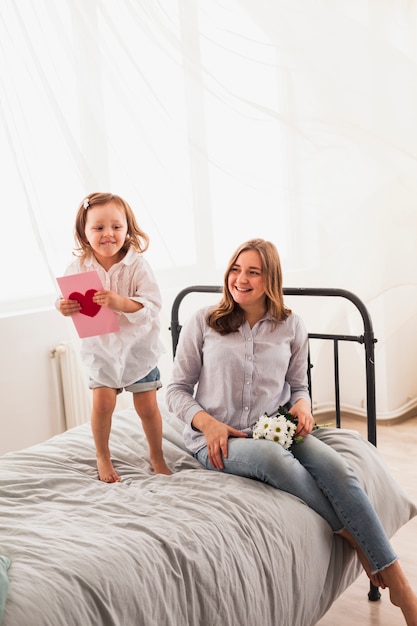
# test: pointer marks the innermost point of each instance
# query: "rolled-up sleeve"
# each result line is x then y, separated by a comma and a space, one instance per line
145, 291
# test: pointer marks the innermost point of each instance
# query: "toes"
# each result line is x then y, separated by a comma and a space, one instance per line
106, 471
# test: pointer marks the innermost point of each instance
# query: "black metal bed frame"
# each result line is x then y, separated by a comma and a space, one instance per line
367, 339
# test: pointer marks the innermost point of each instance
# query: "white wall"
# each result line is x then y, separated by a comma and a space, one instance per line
29, 404
29, 401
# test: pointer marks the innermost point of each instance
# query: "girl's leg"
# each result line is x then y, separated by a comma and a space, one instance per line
147, 408
104, 401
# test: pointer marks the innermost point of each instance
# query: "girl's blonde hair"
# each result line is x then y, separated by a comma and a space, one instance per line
135, 237
227, 316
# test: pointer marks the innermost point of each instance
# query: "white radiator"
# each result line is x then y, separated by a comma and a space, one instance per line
72, 384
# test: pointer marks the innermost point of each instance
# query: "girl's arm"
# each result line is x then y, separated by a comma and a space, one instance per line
116, 302
144, 301
67, 307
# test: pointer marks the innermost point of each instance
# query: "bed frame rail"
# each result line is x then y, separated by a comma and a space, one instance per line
367, 339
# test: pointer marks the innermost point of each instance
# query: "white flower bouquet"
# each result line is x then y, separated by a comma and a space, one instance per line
280, 428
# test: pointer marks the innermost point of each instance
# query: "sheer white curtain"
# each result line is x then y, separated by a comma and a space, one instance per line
292, 120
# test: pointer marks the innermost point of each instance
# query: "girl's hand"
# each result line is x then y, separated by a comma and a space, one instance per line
302, 411
68, 307
114, 301
110, 299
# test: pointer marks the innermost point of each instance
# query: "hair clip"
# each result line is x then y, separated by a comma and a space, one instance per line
86, 203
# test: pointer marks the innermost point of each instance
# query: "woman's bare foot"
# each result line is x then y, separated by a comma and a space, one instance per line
400, 592
393, 577
106, 471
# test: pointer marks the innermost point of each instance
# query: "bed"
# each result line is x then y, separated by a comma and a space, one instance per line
196, 548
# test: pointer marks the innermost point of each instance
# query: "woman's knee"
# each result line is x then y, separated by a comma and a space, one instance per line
320, 459
262, 458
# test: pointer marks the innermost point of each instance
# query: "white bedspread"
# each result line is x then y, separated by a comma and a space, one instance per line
196, 548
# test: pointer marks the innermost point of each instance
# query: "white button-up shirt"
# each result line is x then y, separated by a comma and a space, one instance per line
237, 377
121, 358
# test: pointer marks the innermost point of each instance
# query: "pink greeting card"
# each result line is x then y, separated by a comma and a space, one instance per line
92, 319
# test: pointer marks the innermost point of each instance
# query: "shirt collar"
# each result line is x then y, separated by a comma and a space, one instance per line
128, 259
130, 256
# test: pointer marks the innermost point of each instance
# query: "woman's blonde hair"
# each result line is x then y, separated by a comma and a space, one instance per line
135, 237
227, 316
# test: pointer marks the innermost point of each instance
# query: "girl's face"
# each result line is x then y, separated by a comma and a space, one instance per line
245, 281
106, 231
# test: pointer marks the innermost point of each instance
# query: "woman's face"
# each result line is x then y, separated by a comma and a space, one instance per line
245, 281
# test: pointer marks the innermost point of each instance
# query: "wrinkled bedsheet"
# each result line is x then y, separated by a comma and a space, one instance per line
196, 548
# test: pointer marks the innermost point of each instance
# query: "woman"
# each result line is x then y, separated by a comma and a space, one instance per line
248, 356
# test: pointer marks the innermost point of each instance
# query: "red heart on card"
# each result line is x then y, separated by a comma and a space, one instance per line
88, 307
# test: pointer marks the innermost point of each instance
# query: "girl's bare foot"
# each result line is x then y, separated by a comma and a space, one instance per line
106, 471
160, 467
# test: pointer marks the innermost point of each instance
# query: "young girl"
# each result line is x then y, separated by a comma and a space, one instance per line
110, 241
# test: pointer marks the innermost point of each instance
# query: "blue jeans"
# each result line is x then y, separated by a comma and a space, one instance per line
318, 475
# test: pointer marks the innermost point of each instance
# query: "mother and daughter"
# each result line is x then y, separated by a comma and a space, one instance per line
234, 362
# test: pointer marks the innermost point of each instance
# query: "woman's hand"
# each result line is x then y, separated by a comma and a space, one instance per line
302, 411
217, 435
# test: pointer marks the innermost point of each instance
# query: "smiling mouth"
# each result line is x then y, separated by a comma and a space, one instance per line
242, 290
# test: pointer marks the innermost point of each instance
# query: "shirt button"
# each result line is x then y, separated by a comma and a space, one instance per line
249, 358
250, 339
248, 382
246, 408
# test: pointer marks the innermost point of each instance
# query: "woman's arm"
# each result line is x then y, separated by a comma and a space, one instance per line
180, 391
186, 370
300, 403
302, 411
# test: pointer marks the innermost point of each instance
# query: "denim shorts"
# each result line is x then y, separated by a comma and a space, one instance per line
147, 383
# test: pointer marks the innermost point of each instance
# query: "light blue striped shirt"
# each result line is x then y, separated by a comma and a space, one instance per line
237, 377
